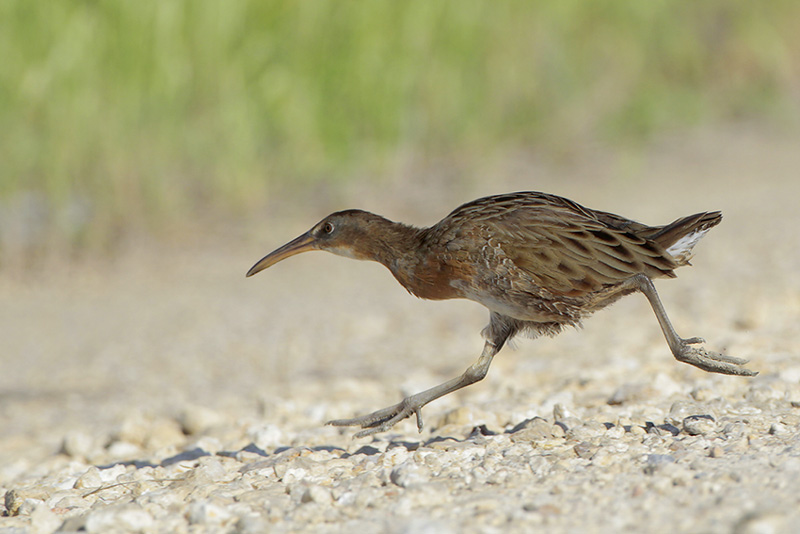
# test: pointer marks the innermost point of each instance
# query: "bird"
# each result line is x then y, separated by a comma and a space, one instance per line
539, 263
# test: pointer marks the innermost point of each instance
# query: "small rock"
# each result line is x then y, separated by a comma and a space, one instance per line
536, 429
630, 393
163, 433
71, 502
585, 450
23, 501
79, 444
29, 506
779, 430
586, 431
90, 479
604, 458
539, 465
212, 468
291, 474
564, 418
165, 498
12, 501
318, 494
699, 425
766, 522
716, 452
282, 464
561, 412
735, 430
657, 461
134, 429
393, 457
208, 444
124, 449
197, 419
498, 476
125, 517
680, 410
207, 513
43, 520
149, 433
111, 474
615, 432
252, 524
266, 436
410, 474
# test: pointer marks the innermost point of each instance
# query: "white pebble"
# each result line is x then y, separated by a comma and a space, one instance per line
410, 474
204, 512
318, 494
90, 479
125, 517
79, 444
44, 521
699, 425
111, 474
265, 437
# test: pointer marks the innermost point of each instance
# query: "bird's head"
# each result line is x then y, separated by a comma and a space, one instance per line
350, 233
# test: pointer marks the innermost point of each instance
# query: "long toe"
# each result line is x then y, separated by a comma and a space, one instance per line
714, 362
383, 427
405, 411
364, 421
377, 421
725, 358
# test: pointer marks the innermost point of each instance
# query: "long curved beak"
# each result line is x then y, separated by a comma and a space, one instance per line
302, 244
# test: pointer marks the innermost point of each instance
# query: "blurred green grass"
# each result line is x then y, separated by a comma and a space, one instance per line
122, 114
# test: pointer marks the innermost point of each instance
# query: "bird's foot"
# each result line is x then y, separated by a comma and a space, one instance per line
711, 361
694, 341
383, 420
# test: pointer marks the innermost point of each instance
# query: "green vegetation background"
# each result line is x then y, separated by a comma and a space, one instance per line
117, 113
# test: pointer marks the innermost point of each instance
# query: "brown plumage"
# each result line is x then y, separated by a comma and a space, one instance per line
538, 262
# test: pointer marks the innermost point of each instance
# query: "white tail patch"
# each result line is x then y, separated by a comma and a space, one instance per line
681, 250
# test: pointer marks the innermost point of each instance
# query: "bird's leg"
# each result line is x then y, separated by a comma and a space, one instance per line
383, 420
699, 357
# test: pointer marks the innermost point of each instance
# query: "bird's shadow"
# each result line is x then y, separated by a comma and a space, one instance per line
270, 458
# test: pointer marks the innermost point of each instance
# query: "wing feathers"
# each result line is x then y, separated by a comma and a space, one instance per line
560, 245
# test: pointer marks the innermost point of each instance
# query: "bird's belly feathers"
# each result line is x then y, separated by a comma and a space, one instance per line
526, 306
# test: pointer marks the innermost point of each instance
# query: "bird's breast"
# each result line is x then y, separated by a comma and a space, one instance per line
436, 278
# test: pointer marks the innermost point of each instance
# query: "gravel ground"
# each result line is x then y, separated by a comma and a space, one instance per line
162, 392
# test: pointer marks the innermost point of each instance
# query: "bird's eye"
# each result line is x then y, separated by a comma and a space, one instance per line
328, 228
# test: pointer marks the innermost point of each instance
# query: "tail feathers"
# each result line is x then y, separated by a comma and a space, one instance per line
679, 237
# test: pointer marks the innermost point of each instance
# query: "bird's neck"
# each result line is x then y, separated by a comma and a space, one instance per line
404, 251
393, 244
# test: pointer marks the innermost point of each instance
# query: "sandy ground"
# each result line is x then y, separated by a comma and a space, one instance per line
123, 381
